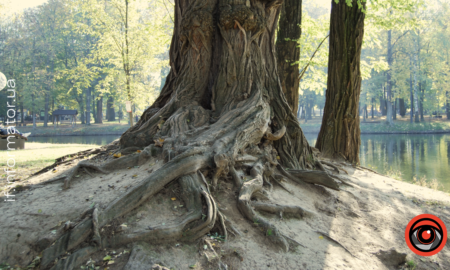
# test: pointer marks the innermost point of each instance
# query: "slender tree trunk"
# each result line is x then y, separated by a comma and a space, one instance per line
447, 106
46, 108
99, 117
364, 113
80, 101
372, 107
389, 113
340, 134
402, 107
33, 68
411, 95
288, 51
94, 111
111, 115
88, 106
416, 82
422, 88
394, 109
34, 111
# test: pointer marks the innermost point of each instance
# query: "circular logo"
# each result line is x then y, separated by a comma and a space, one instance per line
2, 81
426, 235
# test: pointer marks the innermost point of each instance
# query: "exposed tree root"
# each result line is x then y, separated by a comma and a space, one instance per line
74, 171
365, 168
219, 123
274, 177
295, 211
312, 177
334, 241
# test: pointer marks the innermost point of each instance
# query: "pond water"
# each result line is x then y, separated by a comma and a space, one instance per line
99, 140
407, 156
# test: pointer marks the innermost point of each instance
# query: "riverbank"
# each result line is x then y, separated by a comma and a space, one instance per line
362, 226
78, 130
36, 156
378, 126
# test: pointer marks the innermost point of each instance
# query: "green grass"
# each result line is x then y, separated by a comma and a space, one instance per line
37, 156
411, 265
106, 127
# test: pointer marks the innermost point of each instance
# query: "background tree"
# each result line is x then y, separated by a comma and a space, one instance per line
288, 51
339, 134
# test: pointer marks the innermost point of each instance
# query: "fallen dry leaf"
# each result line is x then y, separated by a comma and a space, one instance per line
159, 142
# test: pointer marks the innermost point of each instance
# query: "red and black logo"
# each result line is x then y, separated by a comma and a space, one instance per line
426, 235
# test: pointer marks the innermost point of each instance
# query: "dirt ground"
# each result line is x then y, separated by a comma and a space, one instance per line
360, 227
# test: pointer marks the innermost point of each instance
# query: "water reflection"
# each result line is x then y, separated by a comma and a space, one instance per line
412, 155
98, 140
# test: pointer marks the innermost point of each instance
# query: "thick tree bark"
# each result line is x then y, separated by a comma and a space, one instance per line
220, 68
288, 51
340, 134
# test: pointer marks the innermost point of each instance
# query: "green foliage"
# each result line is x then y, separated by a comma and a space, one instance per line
64, 47
216, 236
411, 264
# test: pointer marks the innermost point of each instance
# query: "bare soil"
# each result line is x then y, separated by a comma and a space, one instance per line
360, 227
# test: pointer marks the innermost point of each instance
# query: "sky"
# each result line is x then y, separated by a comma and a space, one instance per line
19, 5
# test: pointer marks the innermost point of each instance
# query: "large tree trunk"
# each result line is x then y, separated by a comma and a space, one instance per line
288, 51
238, 57
340, 134
221, 110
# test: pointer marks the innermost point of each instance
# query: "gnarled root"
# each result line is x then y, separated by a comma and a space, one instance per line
276, 136
132, 199
245, 206
74, 171
295, 211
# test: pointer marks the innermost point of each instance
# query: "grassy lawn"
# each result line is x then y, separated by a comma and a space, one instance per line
78, 129
36, 156
378, 125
